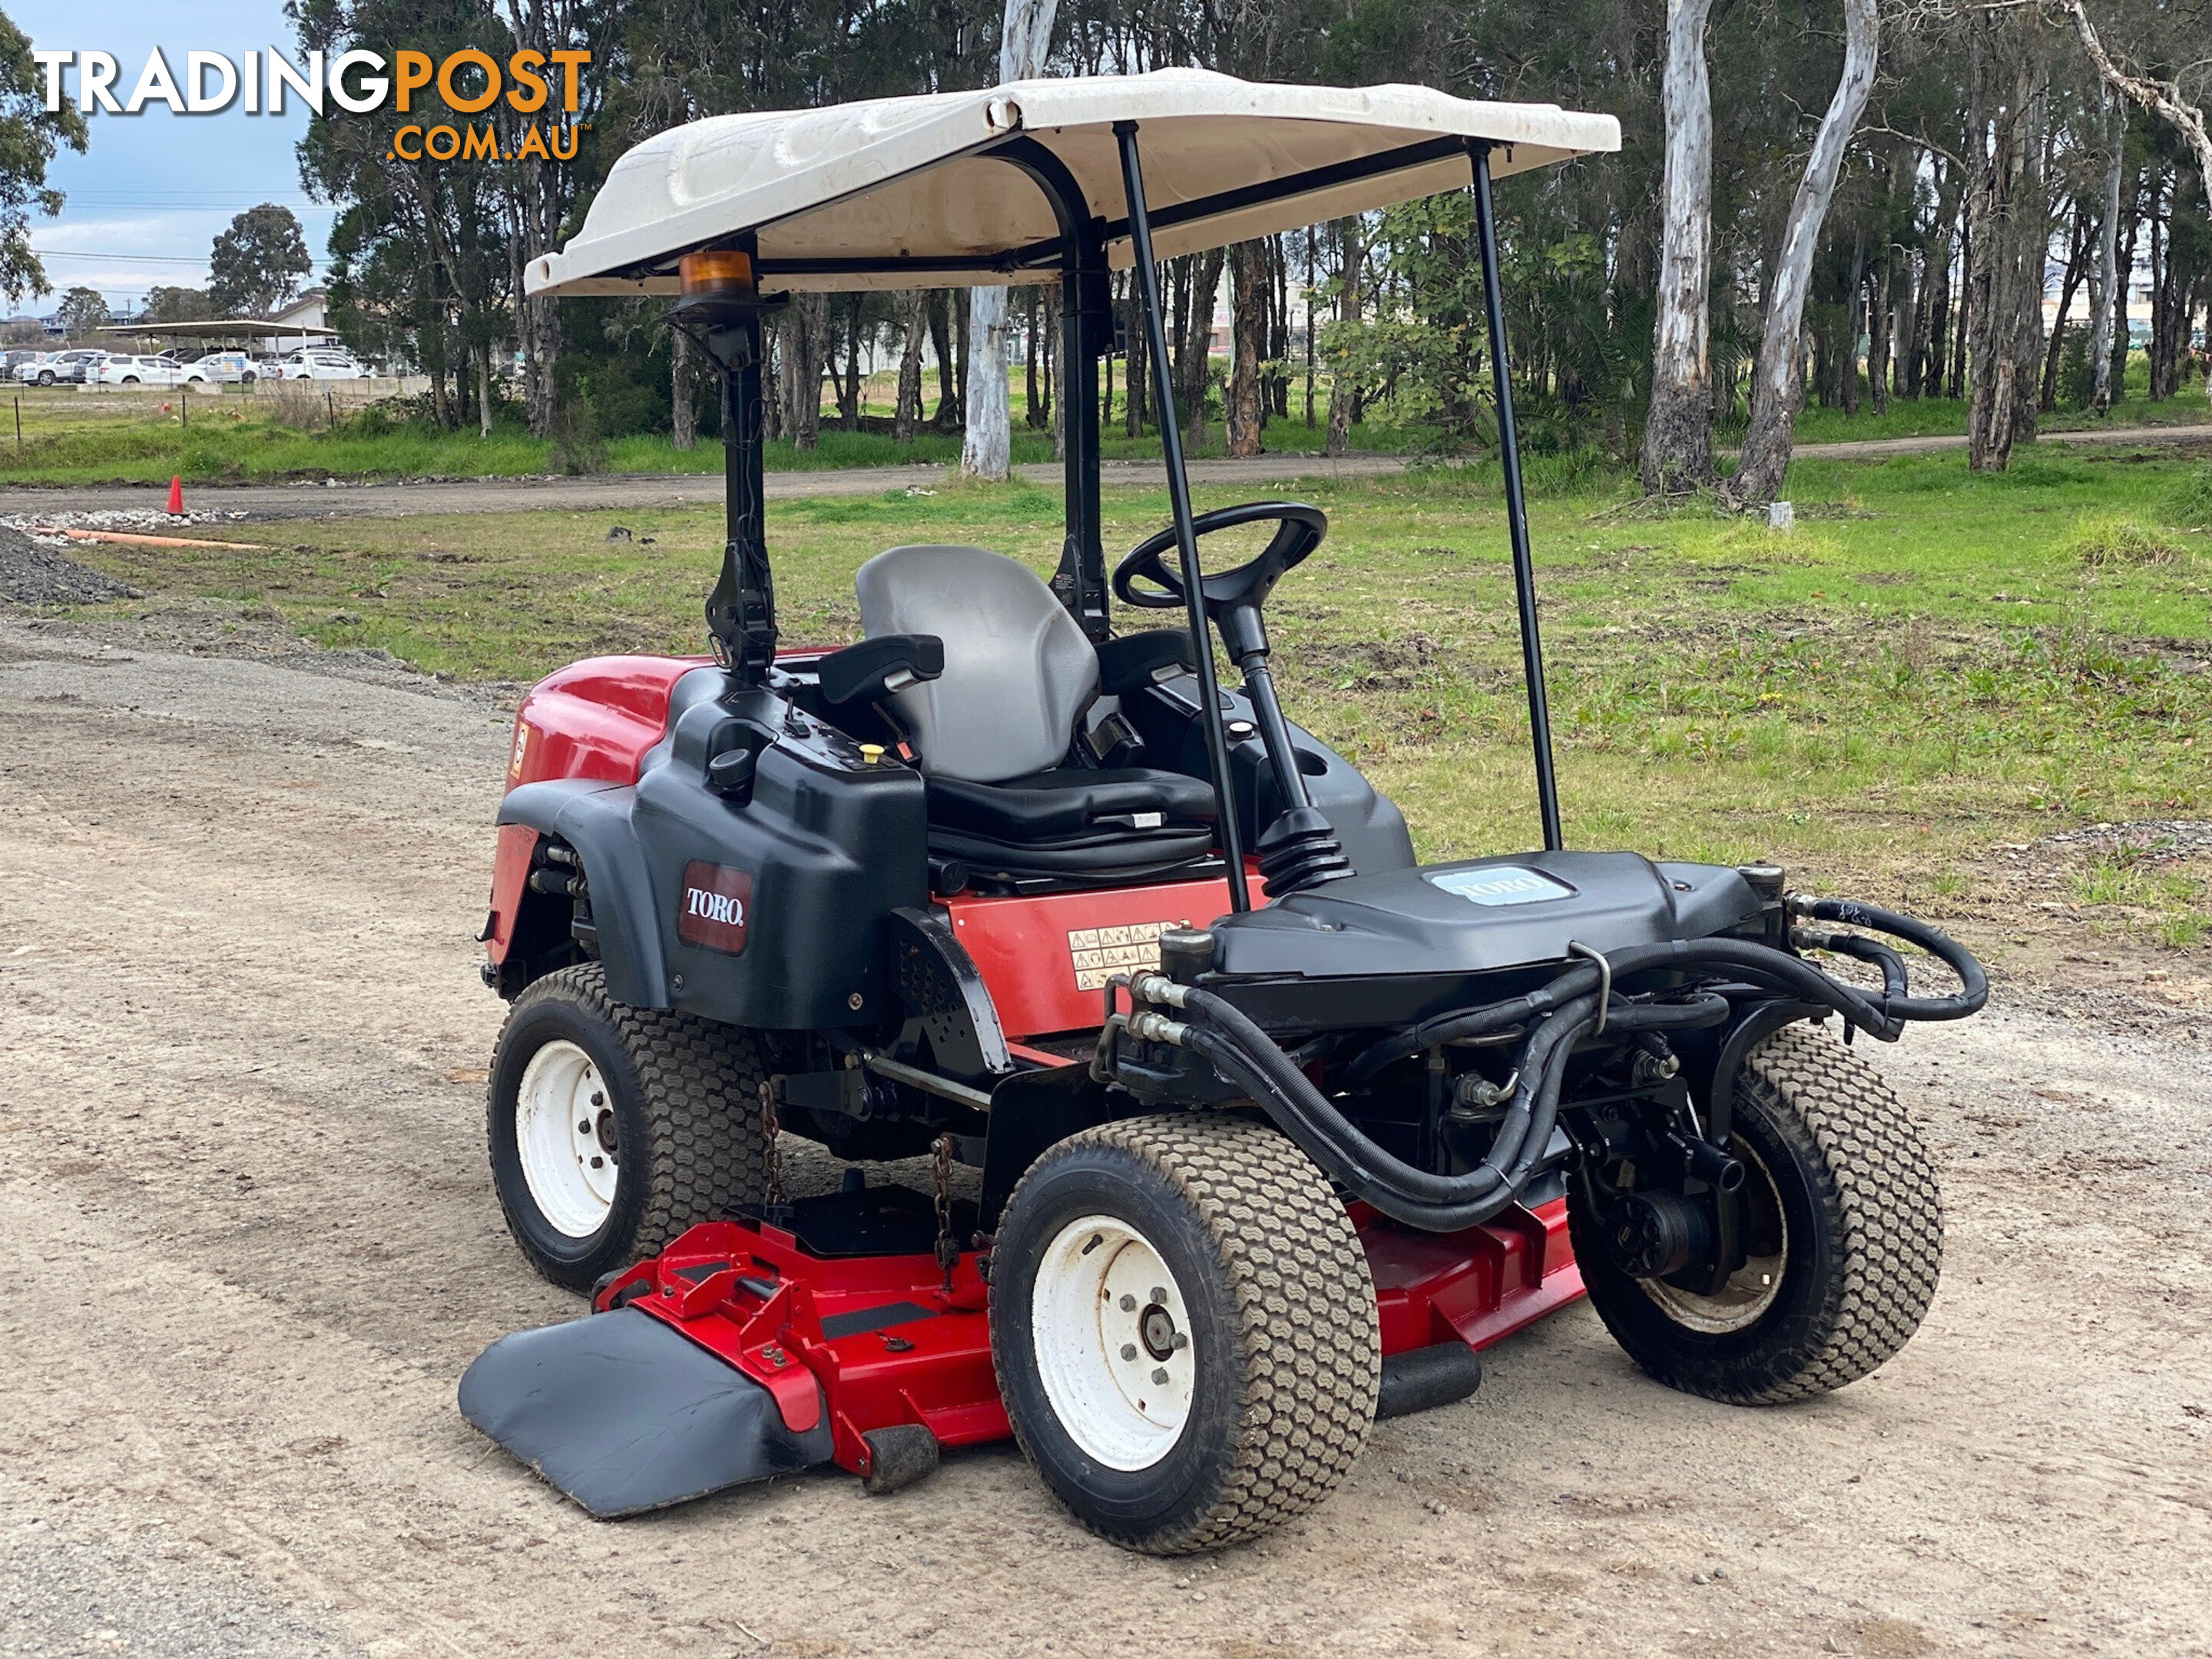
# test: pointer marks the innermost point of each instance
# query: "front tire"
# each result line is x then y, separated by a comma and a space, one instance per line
614, 1128
1843, 1223
1184, 1330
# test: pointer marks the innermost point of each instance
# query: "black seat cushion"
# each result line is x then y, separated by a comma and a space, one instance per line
1070, 801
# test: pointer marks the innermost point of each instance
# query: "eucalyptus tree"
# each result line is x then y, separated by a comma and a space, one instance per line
1778, 383
1024, 42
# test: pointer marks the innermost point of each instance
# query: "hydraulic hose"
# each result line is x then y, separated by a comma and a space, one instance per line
1745, 957
1224, 1035
1973, 984
1559, 1012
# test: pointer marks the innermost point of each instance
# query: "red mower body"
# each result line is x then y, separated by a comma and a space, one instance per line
884, 1341
871, 1343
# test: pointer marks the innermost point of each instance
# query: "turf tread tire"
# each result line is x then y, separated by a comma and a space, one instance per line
1308, 1343
1872, 1178
704, 1151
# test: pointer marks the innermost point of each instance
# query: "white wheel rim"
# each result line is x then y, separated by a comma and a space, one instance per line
1751, 1289
564, 1135
1113, 1343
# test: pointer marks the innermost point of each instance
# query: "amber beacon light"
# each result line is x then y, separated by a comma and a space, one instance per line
716, 271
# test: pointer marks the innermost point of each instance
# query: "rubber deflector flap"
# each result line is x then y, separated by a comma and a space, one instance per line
625, 1415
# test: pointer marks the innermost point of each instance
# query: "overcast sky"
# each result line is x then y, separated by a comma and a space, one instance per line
151, 193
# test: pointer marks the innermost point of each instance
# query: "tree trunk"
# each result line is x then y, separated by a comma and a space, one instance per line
1848, 385
1309, 327
1033, 412
1678, 432
1025, 41
941, 304
683, 413
2124, 338
483, 389
1194, 363
1878, 332
1930, 335
2106, 282
906, 411
807, 323
985, 451
1341, 392
1955, 376
1055, 387
1776, 388
1244, 401
2077, 255
2009, 235
851, 406
1138, 344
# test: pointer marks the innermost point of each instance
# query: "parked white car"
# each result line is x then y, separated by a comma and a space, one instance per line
230, 367
79, 365
322, 365
151, 371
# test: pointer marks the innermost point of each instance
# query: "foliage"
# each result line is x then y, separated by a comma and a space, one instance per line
257, 263
81, 311
166, 304
28, 140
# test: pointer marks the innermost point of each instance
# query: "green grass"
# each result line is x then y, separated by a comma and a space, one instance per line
71, 437
1928, 666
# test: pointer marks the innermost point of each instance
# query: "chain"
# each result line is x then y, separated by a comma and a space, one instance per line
940, 1178
771, 1147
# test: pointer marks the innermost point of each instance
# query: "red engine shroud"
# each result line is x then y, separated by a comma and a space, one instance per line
889, 1343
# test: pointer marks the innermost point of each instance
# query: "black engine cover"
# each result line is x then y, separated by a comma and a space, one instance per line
1482, 914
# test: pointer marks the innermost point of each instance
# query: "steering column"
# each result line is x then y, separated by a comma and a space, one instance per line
1298, 849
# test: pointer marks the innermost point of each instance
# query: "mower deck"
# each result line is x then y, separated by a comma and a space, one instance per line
846, 1347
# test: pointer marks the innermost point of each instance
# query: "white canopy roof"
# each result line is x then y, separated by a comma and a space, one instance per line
902, 178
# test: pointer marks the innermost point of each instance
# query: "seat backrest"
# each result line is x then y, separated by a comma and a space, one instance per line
1018, 672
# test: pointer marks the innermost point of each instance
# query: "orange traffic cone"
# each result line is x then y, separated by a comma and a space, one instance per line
177, 493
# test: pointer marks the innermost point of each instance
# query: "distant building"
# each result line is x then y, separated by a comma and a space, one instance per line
307, 317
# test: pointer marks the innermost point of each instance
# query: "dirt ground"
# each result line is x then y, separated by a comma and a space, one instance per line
250, 1244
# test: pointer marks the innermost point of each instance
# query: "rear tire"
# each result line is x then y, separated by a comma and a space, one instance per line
1844, 1222
1227, 1397
668, 1104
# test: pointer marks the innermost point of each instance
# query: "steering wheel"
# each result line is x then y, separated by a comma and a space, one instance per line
1301, 529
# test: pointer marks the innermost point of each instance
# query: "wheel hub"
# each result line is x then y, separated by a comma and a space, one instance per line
565, 1139
1110, 1330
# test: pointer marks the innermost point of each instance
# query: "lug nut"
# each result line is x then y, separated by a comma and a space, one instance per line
1128, 1351
1159, 1296
585, 1127
1128, 1304
599, 1164
1181, 1341
1159, 1374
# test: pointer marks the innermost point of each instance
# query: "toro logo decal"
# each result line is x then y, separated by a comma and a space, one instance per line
716, 908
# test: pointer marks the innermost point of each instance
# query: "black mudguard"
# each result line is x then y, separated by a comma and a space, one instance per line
625, 1415
594, 819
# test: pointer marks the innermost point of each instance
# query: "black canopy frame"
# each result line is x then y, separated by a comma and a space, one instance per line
741, 612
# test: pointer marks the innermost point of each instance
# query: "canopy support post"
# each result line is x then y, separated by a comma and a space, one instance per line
1516, 505
1085, 306
741, 610
1156, 335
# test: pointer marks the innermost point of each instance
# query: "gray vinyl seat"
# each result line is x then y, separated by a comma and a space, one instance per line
995, 733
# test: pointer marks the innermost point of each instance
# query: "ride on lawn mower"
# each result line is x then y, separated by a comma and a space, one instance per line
1271, 1128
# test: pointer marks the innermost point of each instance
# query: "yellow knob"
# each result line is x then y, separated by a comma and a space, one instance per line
870, 753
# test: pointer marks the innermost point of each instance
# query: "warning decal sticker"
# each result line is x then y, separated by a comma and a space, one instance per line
1099, 953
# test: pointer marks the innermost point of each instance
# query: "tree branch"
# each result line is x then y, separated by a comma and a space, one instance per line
2160, 97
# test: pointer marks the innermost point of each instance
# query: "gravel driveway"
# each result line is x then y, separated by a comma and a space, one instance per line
250, 1244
